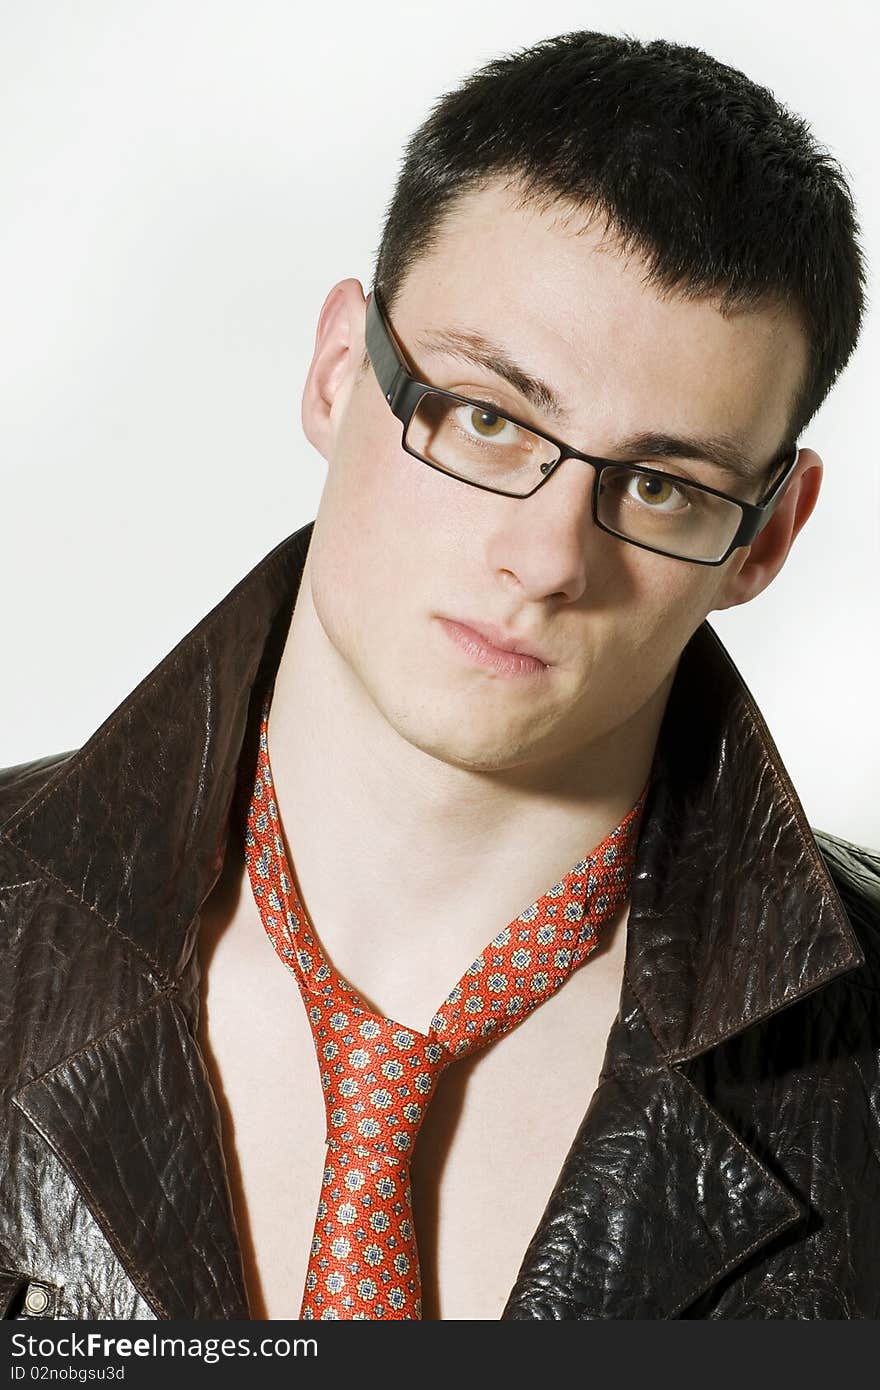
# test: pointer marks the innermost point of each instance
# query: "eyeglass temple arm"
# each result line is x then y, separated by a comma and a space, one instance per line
390, 370
756, 515
778, 487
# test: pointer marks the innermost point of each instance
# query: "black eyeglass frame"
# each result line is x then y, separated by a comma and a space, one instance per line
403, 391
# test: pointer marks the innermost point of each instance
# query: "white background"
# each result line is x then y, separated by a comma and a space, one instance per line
182, 183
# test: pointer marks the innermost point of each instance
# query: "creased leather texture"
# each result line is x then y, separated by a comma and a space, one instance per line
12, 1285
727, 1165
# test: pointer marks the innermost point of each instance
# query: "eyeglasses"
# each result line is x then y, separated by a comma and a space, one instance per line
472, 441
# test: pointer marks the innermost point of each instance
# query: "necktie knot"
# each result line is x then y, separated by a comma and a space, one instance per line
377, 1078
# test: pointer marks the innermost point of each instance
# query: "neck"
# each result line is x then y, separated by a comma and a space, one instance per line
383, 836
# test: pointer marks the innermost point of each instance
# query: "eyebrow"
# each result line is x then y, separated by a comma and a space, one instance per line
725, 453
472, 347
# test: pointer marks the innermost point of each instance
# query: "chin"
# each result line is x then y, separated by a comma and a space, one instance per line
476, 759
468, 747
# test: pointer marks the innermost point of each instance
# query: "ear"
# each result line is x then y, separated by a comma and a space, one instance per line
339, 347
763, 559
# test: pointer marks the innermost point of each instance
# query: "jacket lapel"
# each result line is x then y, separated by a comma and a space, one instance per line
733, 916
656, 1200
130, 837
131, 1117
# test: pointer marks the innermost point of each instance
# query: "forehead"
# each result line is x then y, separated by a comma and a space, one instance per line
554, 288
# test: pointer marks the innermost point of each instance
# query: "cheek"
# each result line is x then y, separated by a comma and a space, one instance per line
670, 600
377, 543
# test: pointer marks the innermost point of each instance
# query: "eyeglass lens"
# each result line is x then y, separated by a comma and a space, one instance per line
479, 446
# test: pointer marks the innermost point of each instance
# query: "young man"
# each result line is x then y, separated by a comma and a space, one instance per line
463, 735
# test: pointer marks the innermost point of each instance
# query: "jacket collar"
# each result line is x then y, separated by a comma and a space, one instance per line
733, 913
135, 823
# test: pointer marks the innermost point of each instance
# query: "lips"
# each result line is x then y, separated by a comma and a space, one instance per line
504, 642
497, 639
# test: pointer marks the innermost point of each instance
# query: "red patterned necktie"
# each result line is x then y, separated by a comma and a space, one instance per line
378, 1076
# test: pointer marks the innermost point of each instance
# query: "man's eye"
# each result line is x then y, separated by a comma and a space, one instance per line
482, 423
660, 494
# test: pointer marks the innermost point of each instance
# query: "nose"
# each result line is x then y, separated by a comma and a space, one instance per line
544, 543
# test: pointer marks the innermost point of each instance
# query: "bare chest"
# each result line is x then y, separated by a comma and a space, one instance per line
488, 1154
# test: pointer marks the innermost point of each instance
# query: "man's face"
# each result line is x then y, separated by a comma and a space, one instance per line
400, 550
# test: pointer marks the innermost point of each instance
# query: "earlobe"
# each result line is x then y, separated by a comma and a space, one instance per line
765, 557
338, 349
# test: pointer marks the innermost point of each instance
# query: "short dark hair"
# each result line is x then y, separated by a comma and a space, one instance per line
723, 190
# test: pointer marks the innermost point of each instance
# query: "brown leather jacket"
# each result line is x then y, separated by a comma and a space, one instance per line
727, 1164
